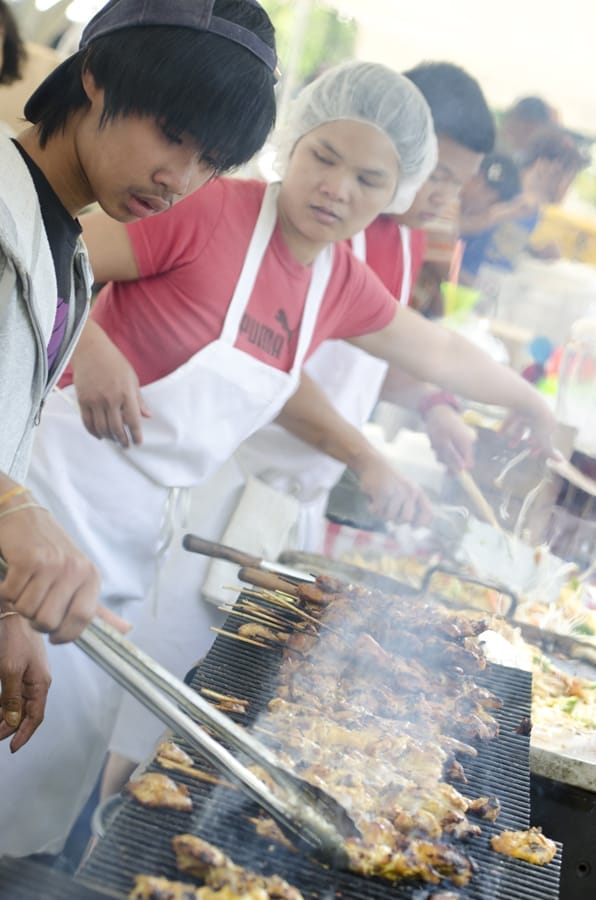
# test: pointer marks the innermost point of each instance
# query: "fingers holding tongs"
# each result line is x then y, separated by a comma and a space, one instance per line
312, 817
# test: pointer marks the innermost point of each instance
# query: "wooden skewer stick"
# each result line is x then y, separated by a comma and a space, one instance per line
260, 620
268, 580
239, 637
483, 507
207, 692
199, 774
264, 613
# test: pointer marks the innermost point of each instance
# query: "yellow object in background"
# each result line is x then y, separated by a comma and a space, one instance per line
575, 236
458, 298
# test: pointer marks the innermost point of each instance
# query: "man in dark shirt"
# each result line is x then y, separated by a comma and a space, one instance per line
159, 98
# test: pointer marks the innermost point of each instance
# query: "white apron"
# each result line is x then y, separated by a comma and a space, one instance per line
116, 505
352, 380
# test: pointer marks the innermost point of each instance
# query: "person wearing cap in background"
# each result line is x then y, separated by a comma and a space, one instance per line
353, 381
353, 136
493, 195
549, 166
159, 98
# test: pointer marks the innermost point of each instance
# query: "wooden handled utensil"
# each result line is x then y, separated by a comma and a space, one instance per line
481, 504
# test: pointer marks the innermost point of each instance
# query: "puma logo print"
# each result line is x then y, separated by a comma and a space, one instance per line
268, 340
280, 317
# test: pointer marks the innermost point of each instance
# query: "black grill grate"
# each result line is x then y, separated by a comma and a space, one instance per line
25, 880
138, 841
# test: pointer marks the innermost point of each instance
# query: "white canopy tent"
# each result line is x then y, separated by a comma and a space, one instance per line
513, 47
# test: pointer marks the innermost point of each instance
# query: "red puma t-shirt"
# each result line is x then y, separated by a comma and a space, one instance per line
190, 259
384, 252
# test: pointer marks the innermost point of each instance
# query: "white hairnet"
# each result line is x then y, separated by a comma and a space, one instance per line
376, 95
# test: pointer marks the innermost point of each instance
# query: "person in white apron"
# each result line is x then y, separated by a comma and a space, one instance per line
260, 506
120, 504
352, 380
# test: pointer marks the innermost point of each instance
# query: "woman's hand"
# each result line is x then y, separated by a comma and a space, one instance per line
107, 389
392, 498
24, 681
450, 437
536, 424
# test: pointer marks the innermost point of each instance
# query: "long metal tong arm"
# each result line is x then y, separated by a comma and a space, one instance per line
187, 699
179, 707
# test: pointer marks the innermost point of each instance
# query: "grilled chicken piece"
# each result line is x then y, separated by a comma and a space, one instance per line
159, 791
148, 887
268, 828
531, 845
420, 859
197, 857
172, 752
485, 808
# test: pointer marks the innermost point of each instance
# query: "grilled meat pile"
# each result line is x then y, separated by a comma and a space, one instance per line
223, 879
373, 705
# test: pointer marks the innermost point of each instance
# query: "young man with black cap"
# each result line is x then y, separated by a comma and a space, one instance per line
159, 98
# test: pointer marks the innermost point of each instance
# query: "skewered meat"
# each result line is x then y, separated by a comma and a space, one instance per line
196, 857
373, 703
530, 845
256, 630
156, 790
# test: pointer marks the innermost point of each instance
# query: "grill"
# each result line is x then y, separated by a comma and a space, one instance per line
138, 839
25, 880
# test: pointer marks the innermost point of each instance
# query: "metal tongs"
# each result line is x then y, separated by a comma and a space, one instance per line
310, 815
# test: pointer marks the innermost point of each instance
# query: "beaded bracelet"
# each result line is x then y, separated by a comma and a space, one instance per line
14, 509
13, 492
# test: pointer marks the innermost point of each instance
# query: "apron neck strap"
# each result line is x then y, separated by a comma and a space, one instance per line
358, 243
261, 236
406, 254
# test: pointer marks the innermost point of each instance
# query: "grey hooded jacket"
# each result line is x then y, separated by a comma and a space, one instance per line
28, 296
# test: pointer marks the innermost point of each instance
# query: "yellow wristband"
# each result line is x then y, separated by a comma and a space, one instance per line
13, 492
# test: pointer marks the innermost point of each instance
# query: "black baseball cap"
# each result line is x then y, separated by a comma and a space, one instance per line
501, 174
119, 14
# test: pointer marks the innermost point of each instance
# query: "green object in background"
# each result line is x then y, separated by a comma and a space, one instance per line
458, 298
548, 385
